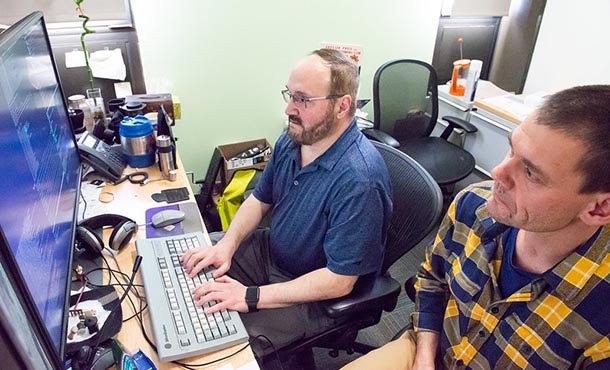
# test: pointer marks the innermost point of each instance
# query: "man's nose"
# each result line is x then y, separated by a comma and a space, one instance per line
291, 108
502, 173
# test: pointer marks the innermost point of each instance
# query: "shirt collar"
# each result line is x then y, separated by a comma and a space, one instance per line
561, 278
331, 157
564, 279
570, 275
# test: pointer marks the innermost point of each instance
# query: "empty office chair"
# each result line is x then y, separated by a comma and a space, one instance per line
417, 203
405, 97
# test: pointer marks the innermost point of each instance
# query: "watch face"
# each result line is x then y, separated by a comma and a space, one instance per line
252, 294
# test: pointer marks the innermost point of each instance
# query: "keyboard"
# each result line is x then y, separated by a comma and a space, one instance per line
180, 328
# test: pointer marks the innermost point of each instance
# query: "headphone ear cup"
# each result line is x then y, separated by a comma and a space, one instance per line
83, 358
122, 234
89, 240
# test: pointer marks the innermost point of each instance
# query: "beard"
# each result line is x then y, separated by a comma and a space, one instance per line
315, 133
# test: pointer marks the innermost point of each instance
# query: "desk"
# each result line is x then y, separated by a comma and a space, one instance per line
130, 198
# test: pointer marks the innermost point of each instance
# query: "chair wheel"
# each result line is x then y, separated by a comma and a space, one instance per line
350, 351
333, 353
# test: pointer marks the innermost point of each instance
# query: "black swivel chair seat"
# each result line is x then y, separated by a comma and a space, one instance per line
417, 203
432, 153
405, 96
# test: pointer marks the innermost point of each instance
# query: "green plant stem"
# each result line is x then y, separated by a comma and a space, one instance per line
85, 32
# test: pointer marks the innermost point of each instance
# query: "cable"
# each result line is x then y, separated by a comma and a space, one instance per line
191, 366
134, 270
138, 177
85, 202
137, 293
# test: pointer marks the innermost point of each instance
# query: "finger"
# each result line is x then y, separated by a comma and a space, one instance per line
186, 256
223, 279
221, 270
207, 261
199, 291
209, 299
222, 305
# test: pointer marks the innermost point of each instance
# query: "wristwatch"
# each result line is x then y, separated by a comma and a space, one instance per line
252, 295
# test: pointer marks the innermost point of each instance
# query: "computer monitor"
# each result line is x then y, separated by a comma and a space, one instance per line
40, 173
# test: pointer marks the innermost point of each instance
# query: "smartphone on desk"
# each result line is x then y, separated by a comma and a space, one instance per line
108, 160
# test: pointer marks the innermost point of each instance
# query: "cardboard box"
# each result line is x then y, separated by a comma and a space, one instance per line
232, 164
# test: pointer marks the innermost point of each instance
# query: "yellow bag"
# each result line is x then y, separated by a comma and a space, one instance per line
232, 196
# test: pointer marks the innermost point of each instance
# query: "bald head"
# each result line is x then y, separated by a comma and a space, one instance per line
344, 77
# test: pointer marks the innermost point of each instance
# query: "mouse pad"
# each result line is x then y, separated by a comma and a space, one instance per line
191, 223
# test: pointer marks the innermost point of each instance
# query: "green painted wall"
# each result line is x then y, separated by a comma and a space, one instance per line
227, 60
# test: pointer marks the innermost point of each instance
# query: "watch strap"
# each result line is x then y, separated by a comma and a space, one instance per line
252, 296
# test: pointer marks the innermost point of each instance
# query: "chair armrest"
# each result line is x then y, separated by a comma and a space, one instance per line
369, 293
455, 122
381, 136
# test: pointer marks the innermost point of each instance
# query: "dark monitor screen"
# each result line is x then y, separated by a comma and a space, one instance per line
39, 177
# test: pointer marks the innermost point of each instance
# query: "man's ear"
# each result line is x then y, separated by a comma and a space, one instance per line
345, 102
598, 214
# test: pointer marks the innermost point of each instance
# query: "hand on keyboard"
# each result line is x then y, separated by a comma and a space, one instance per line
219, 256
229, 293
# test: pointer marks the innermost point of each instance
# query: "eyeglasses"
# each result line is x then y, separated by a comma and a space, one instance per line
301, 100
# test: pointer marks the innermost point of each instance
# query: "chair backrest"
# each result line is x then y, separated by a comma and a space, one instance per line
405, 98
417, 203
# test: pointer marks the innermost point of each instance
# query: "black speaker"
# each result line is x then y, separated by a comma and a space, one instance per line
89, 232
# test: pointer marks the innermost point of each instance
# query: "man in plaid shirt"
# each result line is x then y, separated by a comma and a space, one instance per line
519, 274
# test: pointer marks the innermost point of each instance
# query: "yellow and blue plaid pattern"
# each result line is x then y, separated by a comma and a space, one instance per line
559, 321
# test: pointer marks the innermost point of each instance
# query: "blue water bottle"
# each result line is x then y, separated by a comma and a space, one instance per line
138, 141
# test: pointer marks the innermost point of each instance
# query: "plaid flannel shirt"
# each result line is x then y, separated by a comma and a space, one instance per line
561, 320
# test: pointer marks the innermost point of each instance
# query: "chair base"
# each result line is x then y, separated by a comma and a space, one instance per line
340, 338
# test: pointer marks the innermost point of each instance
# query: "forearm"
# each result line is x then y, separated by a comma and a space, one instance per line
317, 285
245, 221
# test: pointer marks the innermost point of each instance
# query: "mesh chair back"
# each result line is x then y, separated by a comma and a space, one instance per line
405, 99
417, 203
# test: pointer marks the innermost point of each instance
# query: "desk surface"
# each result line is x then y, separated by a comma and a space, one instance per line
131, 198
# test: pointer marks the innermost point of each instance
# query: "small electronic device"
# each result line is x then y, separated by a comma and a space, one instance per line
167, 217
108, 160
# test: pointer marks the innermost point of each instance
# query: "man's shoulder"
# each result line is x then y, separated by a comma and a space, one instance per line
476, 194
470, 203
364, 155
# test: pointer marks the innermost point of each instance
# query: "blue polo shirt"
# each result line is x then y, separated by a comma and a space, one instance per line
332, 213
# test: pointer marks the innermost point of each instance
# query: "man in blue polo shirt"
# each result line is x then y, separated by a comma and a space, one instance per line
329, 195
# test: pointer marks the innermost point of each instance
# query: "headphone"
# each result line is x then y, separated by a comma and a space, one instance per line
88, 232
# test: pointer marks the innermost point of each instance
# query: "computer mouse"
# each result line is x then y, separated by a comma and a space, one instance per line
167, 217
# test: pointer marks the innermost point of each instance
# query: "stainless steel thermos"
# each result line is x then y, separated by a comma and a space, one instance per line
165, 149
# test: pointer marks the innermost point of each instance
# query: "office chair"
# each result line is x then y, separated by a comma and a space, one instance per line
417, 203
204, 200
405, 97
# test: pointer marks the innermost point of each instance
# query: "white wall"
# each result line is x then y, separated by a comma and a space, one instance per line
573, 46
227, 60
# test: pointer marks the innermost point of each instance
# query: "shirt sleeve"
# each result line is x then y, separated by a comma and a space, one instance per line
264, 187
431, 287
599, 365
354, 242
